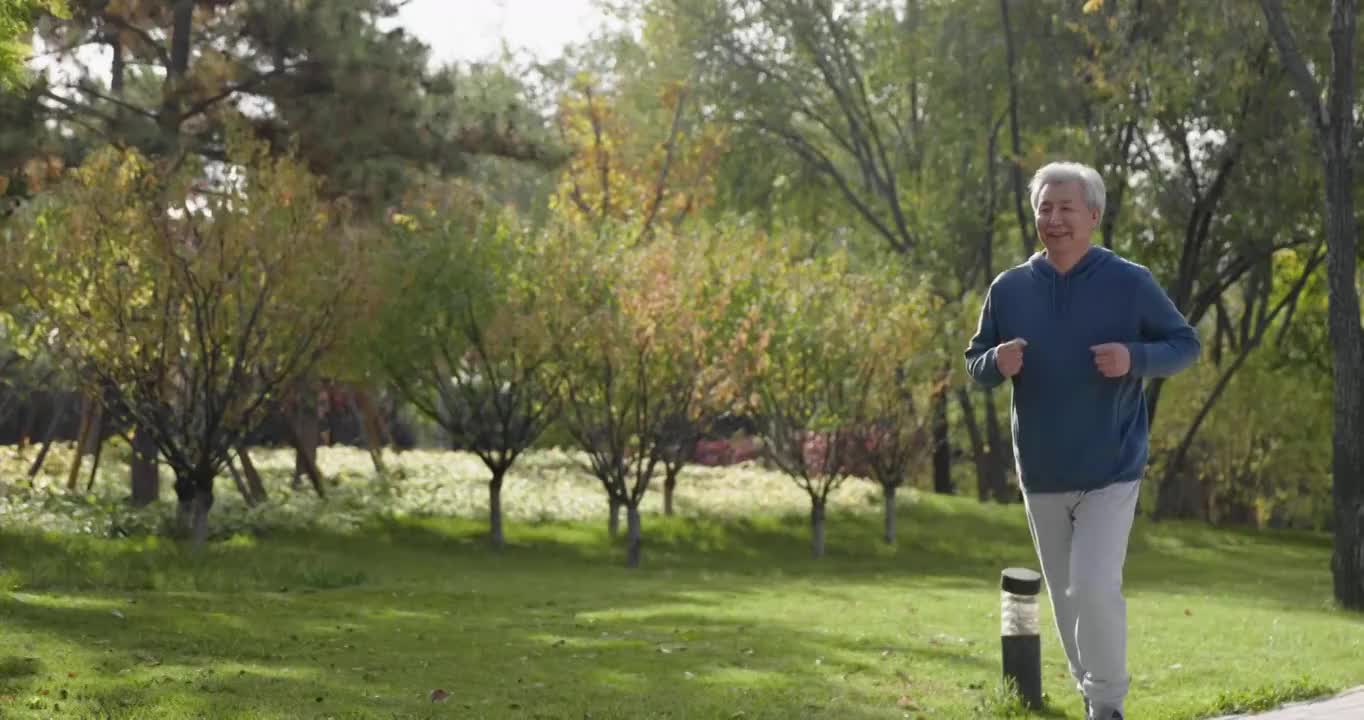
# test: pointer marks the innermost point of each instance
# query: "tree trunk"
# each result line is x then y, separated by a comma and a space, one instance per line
1117, 186
942, 446
613, 519
26, 426
117, 70
372, 426
145, 478
634, 538
995, 460
90, 420
1333, 124
194, 499
203, 502
495, 510
1015, 142
1153, 388
817, 528
1347, 342
98, 439
1179, 495
307, 436
888, 495
241, 486
670, 473
253, 479
184, 505
58, 410
978, 449
314, 474
304, 434
1347, 443
174, 87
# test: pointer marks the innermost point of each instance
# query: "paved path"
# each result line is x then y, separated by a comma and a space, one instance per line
1347, 706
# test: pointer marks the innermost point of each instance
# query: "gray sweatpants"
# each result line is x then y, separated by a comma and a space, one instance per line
1081, 541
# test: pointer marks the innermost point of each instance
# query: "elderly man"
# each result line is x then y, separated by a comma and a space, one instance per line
1077, 329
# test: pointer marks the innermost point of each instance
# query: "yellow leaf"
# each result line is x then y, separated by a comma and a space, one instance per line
1093, 6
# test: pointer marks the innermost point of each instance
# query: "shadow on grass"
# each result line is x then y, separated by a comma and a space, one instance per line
349, 652
957, 547
14, 667
953, 542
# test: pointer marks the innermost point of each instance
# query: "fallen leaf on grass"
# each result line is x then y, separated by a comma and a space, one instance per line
439, 695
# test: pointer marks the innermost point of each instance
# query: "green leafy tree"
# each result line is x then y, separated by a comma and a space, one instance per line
16, 22
459, 331
355, 99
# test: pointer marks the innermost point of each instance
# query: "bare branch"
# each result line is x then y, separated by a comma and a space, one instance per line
234, 88
152, 43
1305, 86
89, 89
661, 183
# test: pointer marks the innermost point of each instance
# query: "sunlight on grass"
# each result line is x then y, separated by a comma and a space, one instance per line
343, 609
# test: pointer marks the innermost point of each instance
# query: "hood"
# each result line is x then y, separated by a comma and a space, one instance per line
1061, 284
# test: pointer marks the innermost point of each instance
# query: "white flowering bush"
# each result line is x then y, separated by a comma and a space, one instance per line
545, 486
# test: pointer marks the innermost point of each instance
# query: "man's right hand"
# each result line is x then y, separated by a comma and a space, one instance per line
1009, 357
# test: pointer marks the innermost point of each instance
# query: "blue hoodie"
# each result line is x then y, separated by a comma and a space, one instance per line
1073, 428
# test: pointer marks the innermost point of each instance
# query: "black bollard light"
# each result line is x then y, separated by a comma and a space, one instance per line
1020, 640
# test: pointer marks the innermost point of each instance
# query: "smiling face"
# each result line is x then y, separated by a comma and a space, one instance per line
1065, 221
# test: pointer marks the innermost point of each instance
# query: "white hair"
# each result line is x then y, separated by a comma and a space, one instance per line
1059, 172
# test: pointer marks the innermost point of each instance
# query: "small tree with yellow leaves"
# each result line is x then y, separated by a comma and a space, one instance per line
187, 302
827, 355
633, 347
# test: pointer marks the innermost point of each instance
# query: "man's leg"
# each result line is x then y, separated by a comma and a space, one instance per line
1103, 523
1051, 521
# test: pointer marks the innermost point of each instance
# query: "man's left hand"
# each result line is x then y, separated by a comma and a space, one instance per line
1112, 359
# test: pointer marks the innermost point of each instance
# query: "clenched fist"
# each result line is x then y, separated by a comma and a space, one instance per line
1112, 359
1009, 357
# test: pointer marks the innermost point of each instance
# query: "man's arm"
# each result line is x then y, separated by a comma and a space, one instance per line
1168, 343
980, 354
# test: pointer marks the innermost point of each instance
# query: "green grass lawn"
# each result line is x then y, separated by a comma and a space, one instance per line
328, 611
